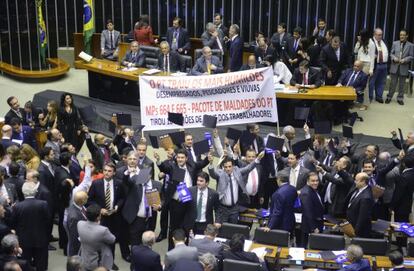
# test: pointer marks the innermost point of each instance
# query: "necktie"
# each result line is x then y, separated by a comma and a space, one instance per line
51, 170
372, 181
108, 196
231, 190
174, 41
165, 63
380, 55
112, 39
351, 79
295, 46
199, 206
254, 182
147, 207
353, 197
305, 79
290, 146
338, 54
208, 67
83, 211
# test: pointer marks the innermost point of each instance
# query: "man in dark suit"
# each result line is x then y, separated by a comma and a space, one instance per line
207, 63
251, 64
355, 78
15, 111
293, 46
334, 59
108, 193
31, 216
371, 153
397, 260
235, 45
360, 205
337, 184
22, 133
312, 208
306, 76
135, 57
279, 40
297, 174
143, 160
7, 190
74, 167
102, 150
263, 53
199, 211
168, 61
282, 216
76, 212
124, 140
177, 37
177, 207
257, 142
11, 250
6, 139
15, 179
47, 172
218, 22
143, 257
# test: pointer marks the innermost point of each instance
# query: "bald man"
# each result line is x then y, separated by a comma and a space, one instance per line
76, 213
360, 203
143, 257
251, 64
356, 78
7, 132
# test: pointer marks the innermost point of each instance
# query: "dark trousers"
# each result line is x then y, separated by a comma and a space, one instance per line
270, 187
136, 229
177, 215
377, 81
63, 238
115, 226
254, 202
164, 220
38, 256
199, 227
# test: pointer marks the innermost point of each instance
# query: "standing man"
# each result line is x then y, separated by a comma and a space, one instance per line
263, 53
296, 173
360, 205
279, 41
143, 160
110, 39
15, 111
76, 213
320, 29
235, 45
293, 48
218, 22
213, 38
199, 212
31, 222
377, 80
334, 59
312, 208
177, 37
168, 61
402, 53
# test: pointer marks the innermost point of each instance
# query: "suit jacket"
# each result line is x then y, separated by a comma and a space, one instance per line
267, 55
260, 145
359, 83
208, 40
133, 195
143, 258
223, 180
280, 44
185, 264
359, 213
11, 115
95, 241
407, 55
282, 216
312, 210
168, 168
183, 40
74, 216
241, 256
147, 163
18, 183
200, 66
191, 207
44, 194
47, 179
173, 61
314, 77
180, 251
207, 245
235, 53
106, 40
403, 193
26, 135
55, 148
137, 61
260, 174
31, 216
96, 194
7, 143
361, 265
97, 154
121, 144
342, 182
329, 62
64, 189
11, 192
302, 176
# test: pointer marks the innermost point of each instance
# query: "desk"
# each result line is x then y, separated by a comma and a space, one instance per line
330, 93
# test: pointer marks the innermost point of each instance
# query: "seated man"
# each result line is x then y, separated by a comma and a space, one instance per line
355, 256
110, 41
305, 76
135, 57
356, 78
251, 64
207, 244
207, 63
168, 61
282, 74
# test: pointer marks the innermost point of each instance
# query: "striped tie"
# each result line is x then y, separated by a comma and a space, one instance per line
108, 196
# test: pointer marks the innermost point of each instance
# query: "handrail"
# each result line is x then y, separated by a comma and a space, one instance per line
59, 67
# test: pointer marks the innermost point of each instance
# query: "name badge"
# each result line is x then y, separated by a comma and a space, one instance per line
183, 193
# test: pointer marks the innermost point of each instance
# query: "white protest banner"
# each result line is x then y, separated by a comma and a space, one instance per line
234, 98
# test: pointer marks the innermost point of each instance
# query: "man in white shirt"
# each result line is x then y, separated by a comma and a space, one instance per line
282, 74
378, 78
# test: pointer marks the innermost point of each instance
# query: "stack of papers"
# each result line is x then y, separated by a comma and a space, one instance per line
260, 252
247, 245
126, 69
179, 74
297, 253
151, 71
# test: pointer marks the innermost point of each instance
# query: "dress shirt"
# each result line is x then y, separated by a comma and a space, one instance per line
226, 200
253, 175
381, 47
132, 174
203, 204
81, 209
17, 113
166, 65
293, 176
67, 169
219, 44
3, 192
49, 166
111, 187
338, 53
141, 209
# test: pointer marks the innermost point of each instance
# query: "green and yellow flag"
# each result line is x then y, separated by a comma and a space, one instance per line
41, 26
88, 24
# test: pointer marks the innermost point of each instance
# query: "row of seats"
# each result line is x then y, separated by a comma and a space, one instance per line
317, 241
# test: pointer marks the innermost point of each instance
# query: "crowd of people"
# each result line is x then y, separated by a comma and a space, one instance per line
102, 201
320, 59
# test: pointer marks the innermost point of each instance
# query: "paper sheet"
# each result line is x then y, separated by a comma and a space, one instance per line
131, 69
260, 252
298, 218
247, 245
152, 71
297, 253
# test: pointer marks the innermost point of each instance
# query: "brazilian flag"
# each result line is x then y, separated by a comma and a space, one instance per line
41, 26
88, 24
